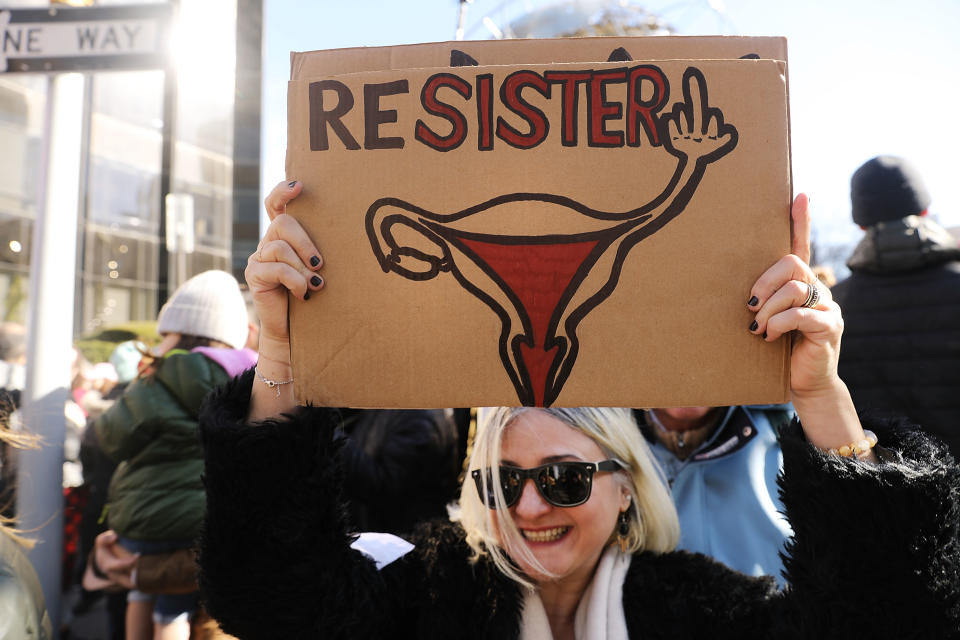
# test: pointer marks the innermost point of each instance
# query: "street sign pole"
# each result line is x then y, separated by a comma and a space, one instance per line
167, 153
50, 332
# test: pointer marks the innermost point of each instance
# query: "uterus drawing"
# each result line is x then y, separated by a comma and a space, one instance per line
542, 286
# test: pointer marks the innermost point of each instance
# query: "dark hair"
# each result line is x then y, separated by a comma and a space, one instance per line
186, 342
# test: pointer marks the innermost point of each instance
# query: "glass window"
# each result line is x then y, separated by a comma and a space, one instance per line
135, 97
22, 99
120, 278
123, 196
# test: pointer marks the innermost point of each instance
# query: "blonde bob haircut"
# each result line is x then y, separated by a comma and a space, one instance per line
653, 518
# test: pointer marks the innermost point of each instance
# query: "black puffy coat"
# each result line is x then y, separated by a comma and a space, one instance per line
901, 312
875, 553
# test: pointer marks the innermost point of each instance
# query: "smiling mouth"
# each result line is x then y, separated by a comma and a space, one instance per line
545, 535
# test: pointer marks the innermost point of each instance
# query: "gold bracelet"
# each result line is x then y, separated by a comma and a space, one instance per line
859, 449
272, 383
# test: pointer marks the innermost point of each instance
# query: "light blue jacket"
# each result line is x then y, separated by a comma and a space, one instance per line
726, 492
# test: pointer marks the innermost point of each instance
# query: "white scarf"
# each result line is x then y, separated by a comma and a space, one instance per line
600, 612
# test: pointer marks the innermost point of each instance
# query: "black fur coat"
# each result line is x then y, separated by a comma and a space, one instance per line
876, 552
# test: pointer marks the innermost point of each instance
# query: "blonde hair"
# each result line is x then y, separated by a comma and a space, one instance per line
17, 440
653, 518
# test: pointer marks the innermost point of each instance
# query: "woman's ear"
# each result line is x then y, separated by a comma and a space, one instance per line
625, 499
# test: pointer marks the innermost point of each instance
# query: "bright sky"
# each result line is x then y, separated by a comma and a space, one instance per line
867, 77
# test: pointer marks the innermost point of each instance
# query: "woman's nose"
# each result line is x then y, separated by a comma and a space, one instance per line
531, 504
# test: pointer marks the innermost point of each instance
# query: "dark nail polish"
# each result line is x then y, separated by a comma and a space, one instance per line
764, 335
753, 301
316, 281
292, 184
754, 325
306, 296
314, 261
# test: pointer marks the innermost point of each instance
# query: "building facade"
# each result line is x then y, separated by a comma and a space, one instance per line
144, 136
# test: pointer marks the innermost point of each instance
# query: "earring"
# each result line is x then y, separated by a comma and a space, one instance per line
623, 529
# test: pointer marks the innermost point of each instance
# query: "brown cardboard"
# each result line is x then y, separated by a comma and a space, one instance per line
660, 318
313, 64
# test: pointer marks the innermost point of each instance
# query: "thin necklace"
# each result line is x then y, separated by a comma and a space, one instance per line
678, 441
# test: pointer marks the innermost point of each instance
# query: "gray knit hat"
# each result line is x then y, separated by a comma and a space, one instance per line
886, 188
208, 305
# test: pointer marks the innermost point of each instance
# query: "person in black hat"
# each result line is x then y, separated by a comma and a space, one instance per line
901, 304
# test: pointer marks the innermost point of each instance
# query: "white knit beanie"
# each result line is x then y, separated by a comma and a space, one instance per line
208, 305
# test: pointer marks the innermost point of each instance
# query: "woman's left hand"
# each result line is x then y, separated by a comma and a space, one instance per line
781, 292
783, 305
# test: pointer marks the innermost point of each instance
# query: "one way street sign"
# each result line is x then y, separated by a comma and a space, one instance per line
84, 39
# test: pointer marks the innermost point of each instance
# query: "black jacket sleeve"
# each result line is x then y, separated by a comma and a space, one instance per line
274, 553
874, 555
875, 551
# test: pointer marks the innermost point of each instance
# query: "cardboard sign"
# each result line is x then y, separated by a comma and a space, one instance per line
314, 64
581, 233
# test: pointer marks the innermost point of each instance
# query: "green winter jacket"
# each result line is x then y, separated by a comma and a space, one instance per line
156, 492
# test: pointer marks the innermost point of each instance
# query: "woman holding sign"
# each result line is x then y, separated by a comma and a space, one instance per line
564, 529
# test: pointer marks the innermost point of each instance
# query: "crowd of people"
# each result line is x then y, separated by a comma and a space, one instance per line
213, 504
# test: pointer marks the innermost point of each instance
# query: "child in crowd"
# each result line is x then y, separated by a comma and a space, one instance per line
156, 501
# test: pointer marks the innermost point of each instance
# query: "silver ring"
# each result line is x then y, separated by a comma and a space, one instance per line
813, 296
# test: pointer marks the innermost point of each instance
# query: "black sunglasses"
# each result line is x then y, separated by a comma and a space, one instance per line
562, 484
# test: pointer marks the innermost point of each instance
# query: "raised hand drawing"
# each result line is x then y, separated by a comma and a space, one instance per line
542, 286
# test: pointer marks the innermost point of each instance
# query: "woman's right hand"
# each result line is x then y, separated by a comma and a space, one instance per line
286, 261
